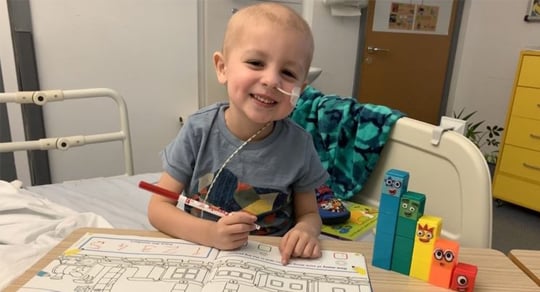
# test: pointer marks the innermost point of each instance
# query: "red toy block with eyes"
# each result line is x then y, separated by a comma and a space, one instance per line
443, 262
463, 277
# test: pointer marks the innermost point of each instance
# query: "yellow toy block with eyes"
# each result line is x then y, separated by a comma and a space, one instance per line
428, 229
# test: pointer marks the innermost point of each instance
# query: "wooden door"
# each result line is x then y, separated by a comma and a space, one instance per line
407, 70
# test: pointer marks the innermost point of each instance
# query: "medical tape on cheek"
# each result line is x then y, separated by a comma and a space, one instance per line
294, 94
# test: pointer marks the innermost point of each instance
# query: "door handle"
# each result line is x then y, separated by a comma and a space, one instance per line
373, 50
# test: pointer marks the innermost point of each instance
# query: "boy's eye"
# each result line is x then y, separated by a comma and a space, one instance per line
289, 73
255, 63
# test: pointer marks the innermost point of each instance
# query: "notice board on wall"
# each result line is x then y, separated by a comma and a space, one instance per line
414, 16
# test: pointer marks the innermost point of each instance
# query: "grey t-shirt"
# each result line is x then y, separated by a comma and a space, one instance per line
260, 179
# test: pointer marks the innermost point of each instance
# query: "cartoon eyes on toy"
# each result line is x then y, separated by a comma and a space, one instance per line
420, 233
429, 235
462, 280
448, 256
389, 182
404, 205
438, 254
412, 209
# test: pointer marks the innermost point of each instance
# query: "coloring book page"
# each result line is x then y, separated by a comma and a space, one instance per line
105, 262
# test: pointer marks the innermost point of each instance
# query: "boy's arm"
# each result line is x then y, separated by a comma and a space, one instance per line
229, 232
303, 239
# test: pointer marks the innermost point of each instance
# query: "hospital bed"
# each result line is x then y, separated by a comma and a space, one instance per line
443, 165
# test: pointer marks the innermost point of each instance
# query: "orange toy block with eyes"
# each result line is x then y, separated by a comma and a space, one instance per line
428, 230
443, 262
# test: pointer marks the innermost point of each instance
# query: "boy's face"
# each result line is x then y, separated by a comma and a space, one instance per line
260, 59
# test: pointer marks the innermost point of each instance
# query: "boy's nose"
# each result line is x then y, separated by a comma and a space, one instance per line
270, 79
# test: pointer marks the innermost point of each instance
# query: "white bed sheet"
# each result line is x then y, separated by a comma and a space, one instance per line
31, 225
34, 219
118, 199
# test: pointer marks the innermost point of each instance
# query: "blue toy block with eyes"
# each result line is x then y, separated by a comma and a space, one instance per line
394, 185
410, 210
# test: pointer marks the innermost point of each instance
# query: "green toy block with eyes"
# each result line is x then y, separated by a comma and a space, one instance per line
411, 208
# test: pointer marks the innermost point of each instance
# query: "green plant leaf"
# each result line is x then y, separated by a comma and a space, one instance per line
481, 134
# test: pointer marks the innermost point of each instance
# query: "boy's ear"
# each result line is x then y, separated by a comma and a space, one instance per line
219, 66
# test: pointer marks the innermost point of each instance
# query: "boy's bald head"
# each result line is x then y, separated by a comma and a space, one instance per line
279, 16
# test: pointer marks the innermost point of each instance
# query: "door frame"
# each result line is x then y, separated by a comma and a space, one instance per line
19, 14
451, 57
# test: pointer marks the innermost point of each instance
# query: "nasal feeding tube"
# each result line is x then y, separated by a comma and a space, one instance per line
294, 94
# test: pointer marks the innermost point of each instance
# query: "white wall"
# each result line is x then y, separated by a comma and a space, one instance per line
145, 50
150, 53
492, 35
336, 42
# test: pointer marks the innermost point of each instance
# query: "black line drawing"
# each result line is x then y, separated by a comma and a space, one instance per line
106, 263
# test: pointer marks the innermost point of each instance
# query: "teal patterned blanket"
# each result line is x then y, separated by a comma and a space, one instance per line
349, 136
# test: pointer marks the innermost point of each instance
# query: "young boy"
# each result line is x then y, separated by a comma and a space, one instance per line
246, 156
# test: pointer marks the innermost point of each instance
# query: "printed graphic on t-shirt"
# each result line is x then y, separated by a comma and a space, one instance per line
272, 207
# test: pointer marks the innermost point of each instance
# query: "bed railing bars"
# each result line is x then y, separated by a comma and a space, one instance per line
64, 143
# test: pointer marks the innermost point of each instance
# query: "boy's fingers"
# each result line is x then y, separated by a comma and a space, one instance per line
285, 257
240, 223
244, 216
286, 250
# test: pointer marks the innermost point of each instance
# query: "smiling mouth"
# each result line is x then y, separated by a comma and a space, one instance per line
262, 99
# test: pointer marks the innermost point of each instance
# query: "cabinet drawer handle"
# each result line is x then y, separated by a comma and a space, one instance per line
535, 167
534, 136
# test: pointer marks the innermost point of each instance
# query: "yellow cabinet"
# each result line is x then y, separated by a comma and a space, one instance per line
517, 176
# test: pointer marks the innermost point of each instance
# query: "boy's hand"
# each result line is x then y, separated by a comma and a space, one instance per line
299, 242
232, 231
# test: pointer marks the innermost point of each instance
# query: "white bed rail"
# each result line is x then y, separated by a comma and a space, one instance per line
64, 143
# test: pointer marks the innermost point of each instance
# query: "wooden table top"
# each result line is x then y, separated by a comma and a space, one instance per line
496, 272
528, 261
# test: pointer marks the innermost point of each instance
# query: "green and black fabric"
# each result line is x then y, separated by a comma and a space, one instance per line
348, 136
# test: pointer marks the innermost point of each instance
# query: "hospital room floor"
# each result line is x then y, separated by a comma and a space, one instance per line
515, 227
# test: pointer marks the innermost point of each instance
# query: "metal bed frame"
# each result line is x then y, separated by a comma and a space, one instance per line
64, 143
